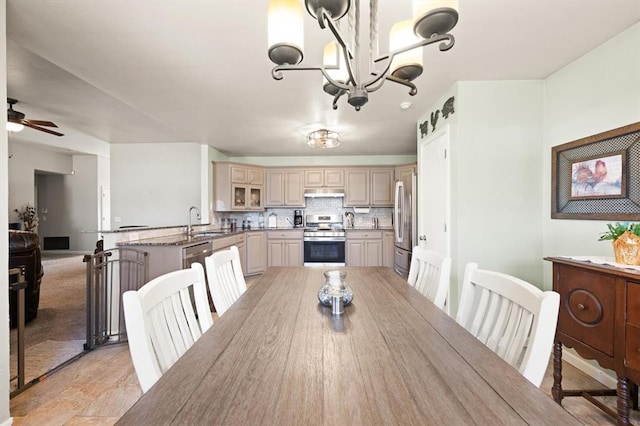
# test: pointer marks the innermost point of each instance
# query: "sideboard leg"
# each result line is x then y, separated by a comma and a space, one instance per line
623, 401
556, 390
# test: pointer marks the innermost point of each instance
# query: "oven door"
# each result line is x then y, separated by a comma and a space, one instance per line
323, 252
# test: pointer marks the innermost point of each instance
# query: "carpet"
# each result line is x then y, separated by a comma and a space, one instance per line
58, 333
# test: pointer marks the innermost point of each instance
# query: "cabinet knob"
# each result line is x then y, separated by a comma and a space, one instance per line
581, 307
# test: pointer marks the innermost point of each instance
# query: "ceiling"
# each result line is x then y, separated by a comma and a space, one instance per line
149, 71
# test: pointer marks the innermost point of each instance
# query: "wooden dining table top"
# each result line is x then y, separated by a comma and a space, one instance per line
279, 357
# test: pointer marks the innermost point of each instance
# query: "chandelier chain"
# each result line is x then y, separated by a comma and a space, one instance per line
373, 32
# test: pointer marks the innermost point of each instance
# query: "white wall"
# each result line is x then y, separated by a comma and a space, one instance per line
154, 184
598, 92
4, 237
25, 160
496, 189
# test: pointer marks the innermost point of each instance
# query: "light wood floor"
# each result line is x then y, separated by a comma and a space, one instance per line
99, 387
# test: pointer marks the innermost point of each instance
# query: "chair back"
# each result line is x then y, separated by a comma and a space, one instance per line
512, 317
162, 323
430, 274
226, 281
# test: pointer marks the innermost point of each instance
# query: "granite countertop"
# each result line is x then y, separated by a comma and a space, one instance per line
203, 234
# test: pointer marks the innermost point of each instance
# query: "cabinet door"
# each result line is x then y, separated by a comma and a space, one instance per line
357, 187
293, 188
255, 176
239, 174
255, 198
243, 256
382, 186
239, 193
355, 253
387, 250
374, 253
293, 253
275, 188
314, 178
275, 253
256, 253
334, 178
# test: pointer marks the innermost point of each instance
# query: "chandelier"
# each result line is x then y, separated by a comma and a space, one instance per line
323, 138
341, 67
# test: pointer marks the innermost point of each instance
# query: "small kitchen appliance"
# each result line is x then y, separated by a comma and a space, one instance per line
297, 219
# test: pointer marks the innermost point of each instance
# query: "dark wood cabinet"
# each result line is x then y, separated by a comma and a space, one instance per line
600, 318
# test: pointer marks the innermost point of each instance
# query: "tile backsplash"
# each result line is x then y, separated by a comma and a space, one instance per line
314, 206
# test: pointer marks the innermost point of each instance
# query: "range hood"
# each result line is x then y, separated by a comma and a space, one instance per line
323, 192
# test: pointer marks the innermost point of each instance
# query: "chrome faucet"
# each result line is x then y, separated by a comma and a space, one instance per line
198, 217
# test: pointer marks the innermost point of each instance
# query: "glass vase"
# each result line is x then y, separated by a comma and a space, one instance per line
335, 285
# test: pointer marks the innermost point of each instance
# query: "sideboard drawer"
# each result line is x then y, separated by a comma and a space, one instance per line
586, 307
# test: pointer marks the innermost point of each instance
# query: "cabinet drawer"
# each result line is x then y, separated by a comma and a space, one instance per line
586, 307
240, 237
632, 355
363, 235
279, 235
633, 303
224, 242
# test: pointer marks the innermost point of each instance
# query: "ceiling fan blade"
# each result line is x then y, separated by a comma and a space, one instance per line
41, 123
42, 129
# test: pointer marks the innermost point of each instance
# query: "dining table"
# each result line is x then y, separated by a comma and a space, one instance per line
278, 356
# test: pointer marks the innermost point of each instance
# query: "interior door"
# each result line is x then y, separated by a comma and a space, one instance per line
434, 190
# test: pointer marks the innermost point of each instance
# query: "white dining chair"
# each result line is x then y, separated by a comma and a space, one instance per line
161, 321
225, 278
512, 317
430, 274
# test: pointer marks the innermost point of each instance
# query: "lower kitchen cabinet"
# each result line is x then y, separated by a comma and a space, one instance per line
388, 244
364, 248
284, 248
256, 253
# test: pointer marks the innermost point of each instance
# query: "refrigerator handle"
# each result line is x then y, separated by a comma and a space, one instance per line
398, 212
414, 210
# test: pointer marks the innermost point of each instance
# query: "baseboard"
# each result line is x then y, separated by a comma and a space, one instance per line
606, 377
7, 422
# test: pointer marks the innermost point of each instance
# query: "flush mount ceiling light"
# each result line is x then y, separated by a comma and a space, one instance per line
433, 19
323, 138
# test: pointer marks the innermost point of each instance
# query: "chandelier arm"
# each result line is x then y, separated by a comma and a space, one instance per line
336, 97
324, 19
277, 73
447, 39
413, 90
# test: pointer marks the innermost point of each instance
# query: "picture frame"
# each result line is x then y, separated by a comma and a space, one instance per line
600, 176
597, 177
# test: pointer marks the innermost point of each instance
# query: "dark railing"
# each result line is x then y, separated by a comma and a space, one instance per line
109, 274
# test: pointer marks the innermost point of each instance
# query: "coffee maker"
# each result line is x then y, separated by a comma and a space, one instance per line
297, 219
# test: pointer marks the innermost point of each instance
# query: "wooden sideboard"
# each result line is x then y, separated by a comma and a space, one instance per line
600, 319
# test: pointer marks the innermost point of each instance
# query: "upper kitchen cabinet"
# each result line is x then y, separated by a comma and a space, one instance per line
324, 178
285, 187
237, 187
369, 187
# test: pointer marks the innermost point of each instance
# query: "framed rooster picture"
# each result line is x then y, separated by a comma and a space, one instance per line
597, 177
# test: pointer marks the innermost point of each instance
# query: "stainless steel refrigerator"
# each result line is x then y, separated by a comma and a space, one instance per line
404, 222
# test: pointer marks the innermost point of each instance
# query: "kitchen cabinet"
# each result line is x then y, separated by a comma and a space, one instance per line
382, 186
369, 187
285, 188
256, 253
388, 245
284, 248
237, 187
364, 248
356, 192
324, 178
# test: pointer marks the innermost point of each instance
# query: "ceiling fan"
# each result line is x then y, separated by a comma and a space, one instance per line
17, 117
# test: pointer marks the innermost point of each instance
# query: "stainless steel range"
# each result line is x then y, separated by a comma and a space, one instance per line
324, 240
